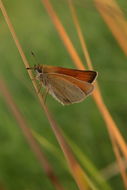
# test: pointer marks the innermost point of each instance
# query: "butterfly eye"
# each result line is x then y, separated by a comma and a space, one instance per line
39, 70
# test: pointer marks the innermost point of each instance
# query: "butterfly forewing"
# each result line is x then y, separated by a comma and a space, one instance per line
68, 90
87, 76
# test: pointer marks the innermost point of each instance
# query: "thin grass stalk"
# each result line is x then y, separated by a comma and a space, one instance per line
86, 163
80, 177
118, 158
108, 172
120, 164
77, 172
89, 167
115, 20
89, 63
110, 122
63, 35
29, 137
51, 148
96, 94
80, 35
112, 169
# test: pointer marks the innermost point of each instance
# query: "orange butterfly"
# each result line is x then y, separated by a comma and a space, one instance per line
68, 86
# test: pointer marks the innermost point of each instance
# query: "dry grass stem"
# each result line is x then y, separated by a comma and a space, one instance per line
112, 169
29, 137
115, 20
77, 172
63, 35
110, 122
89, 63
119, 159
96, 95
120, 164
80, 35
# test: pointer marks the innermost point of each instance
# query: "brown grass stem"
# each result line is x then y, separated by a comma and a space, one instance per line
29, 137
115, 21
89, 63
77, 172
63, 35
120, 163
110, 123
80, 35
112, 169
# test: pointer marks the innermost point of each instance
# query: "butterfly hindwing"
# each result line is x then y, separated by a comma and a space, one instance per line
68, 90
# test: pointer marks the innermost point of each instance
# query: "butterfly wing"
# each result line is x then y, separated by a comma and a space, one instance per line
87, 76
66, 89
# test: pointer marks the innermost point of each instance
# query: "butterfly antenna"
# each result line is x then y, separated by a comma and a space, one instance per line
32, 53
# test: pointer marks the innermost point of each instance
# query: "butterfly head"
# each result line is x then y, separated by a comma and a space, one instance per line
36, 68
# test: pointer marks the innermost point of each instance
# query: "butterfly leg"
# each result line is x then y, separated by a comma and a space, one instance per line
45, 95
40, 86
33, 78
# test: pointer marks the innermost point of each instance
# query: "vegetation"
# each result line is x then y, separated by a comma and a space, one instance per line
83, 125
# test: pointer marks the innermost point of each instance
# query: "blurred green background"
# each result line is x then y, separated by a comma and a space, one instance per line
82, 123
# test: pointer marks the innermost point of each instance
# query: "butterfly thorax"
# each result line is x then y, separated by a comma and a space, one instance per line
41, 75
